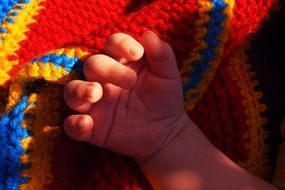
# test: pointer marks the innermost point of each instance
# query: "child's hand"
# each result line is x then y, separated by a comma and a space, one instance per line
132, 106
135, 107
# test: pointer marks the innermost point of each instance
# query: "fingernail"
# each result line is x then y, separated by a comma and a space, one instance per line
129, 79
151, 35
90, 93
135, 49
83, 121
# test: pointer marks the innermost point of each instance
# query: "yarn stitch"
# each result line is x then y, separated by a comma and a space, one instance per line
43, 44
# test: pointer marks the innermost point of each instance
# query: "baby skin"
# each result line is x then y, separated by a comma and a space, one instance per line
133, 105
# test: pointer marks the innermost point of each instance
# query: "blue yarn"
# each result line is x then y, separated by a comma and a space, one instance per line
3, 30
11, 134
24, 1
201, 66
19, 7
208, 55
25, 166
213, 43
63, 60
211, 38
14, 13
6, 6
10, 20
196, 77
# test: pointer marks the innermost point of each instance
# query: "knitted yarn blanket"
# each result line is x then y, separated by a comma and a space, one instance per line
43, 44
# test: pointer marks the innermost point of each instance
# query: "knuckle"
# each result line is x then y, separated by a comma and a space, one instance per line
93, 59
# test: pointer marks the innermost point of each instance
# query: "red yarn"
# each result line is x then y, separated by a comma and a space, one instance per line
78, 165
85, 24
247, 15
221, 117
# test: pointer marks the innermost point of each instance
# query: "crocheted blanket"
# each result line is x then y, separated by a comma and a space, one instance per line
43, 44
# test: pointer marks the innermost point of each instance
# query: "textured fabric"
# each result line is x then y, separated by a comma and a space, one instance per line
43, 44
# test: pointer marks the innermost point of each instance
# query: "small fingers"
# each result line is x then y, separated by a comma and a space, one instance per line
80, 95
107, 70
79, 127
121, 45
160, 56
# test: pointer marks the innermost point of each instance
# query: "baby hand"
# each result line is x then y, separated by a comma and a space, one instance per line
130, 105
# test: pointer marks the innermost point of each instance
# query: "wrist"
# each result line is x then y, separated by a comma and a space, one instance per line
190, 161
168, 166
177, 127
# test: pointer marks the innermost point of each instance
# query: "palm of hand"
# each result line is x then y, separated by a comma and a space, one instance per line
133, 118
131, 121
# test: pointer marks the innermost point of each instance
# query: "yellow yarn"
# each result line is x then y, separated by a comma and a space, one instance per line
16, 33
45, 105
257, 161
45, 132
201, 32
45, 71
71, 52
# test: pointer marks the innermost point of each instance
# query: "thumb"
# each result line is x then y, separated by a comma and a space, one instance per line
160, 56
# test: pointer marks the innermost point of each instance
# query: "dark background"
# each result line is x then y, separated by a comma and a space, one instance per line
267, 56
